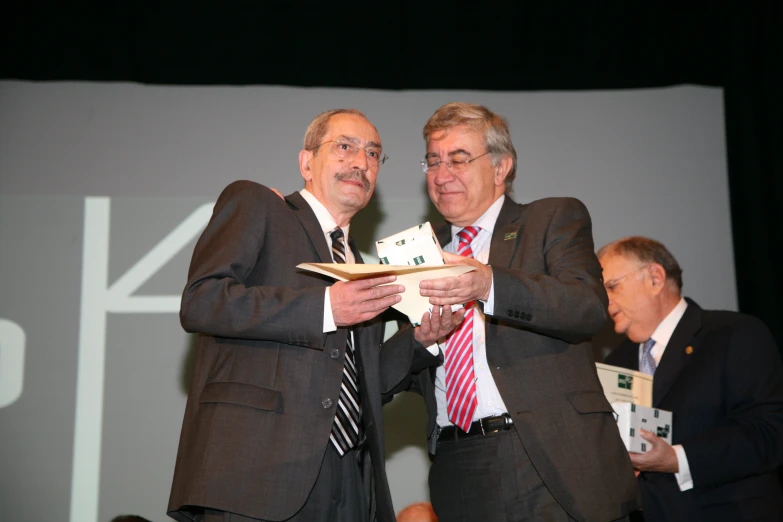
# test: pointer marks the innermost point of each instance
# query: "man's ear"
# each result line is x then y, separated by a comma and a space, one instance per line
305, 159
657, 277
502, 170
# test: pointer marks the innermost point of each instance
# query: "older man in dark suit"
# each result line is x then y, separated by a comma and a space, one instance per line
720, 374
283, 420
518, 423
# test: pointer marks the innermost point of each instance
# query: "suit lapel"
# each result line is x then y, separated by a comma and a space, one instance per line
627, 355
306, 216
505, 237
304, 213
443, 233
506, 234
357, 257
504, 242
677, 356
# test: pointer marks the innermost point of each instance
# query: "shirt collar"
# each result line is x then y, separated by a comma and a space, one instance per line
323, 216
664, 332
487, 220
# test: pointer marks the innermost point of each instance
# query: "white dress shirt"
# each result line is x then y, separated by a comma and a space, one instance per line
661, 336
487, 395
327, 223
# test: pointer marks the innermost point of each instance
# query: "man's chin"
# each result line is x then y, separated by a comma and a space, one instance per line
621, 329
448, 211
356, 199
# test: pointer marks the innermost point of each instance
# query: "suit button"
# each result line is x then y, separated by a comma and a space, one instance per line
528, 317
516, 315
335, 353
511, 313
326, 403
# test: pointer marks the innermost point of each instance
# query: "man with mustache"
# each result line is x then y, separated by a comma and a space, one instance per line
519, 428
283, 420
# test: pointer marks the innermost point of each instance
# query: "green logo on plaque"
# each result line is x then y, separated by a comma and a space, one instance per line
418, 260
624, 381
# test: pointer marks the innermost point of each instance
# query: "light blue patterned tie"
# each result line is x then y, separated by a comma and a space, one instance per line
647, 364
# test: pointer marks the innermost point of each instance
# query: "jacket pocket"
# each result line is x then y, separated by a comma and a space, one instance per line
241, 394
589, 402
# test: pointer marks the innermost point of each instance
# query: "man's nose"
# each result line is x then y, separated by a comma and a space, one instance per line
443, 175
359, 161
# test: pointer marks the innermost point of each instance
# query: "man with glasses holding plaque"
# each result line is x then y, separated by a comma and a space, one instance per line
519, 428
283, 420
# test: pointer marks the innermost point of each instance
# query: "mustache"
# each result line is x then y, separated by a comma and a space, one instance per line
355, 175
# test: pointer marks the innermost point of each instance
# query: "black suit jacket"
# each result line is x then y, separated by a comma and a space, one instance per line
267, 379
548, 298
721, 376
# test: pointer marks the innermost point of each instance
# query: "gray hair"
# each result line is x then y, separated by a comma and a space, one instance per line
646, 250
494, 129
318, 127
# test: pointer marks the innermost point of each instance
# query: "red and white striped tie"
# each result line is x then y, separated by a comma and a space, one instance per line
460, 379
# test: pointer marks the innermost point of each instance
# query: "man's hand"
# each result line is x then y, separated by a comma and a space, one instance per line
462, 289
661, 458
437, 324
358, 301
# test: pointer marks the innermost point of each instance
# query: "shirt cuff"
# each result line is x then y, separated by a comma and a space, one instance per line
329, 325
489, 304
434, 349
683, 477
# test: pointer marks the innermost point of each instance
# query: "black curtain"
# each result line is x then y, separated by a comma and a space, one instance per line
447, 45
753, 95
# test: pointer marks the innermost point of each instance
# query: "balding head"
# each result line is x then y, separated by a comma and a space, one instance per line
419, 512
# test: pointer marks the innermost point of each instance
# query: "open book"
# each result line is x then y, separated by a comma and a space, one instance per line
413, 304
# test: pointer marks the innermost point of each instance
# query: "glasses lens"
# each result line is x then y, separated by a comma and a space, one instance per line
343, 149
373, 155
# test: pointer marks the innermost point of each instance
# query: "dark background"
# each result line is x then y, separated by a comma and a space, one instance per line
433, 45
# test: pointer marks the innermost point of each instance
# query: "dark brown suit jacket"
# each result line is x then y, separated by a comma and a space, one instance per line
548, 297
266, 379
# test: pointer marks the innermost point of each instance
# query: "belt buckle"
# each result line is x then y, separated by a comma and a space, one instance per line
483, 429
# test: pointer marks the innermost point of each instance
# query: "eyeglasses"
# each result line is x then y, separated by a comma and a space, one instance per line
348, 150
454, 166
611, 285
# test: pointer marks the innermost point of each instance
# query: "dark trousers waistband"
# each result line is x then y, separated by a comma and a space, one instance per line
480, 427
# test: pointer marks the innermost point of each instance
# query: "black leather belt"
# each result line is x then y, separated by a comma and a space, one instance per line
483, 426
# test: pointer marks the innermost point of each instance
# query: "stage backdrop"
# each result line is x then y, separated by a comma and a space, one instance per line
105, 188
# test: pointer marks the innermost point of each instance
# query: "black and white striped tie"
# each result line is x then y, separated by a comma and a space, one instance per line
345, 430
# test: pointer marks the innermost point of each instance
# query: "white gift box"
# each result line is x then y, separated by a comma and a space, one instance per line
624, 385
413, 255
414, 246
632, 417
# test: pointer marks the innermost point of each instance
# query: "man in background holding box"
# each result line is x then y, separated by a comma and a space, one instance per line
720, 374
518, 423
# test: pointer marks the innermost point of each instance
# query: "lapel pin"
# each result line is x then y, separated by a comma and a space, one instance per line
510, 235
689, 350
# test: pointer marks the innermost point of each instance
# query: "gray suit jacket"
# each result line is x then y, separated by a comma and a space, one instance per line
548, 297
267, 379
